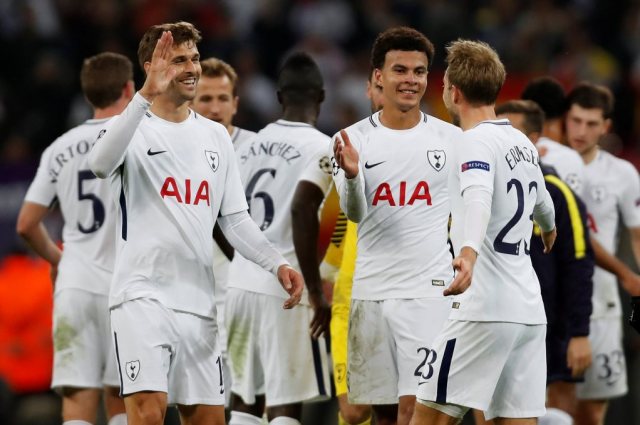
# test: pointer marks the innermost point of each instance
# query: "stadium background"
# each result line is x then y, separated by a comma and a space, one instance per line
43, 43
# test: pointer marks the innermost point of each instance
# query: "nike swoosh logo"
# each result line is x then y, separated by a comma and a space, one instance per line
150, 153
367, 165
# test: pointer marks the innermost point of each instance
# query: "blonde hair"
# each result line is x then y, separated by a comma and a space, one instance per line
476, 70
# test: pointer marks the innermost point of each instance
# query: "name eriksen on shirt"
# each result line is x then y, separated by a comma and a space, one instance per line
517, 154
284, 150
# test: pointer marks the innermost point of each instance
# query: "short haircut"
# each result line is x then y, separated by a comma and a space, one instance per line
476, 70
405, 39
104, 76
299, 79
592, 96
215, 68
533, 115
182, 32
549, 94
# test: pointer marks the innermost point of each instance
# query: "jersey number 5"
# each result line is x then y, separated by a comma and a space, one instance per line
96, 203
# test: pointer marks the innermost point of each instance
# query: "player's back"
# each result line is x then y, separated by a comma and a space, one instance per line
271, 165
504, 286
87, 208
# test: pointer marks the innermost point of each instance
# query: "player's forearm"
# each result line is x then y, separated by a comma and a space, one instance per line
352, 198
607, 261
635, 244
544, 213
576, 289
305, 227
477, 211
108, 151
39, 240
247, 239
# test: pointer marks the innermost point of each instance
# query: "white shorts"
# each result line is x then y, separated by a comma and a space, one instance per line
497, 367
159, 349
83, 353
271, 351
389, 345
607, 376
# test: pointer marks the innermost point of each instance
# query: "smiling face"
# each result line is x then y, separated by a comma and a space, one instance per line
215, 100
403, 79
187, 58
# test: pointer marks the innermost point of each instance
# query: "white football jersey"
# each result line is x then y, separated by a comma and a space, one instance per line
281, 155
614, 193
174, 180
87, 207
566, 162
504, 286
402, 240
240, 137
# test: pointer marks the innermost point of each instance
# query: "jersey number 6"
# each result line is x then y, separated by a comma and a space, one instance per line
268, 202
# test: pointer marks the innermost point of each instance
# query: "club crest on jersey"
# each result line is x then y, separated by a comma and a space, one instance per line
213, 159
132, 369
437, 159
598, 193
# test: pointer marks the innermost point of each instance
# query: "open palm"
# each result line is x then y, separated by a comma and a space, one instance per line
160, 71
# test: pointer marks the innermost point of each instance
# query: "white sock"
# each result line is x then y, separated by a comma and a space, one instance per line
284, 420
555, 417
76, 422
241, 418
119, 419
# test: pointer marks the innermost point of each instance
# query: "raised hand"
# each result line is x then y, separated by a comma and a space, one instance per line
160, 72
346, 155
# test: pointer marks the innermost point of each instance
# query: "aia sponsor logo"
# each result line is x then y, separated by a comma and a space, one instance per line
416, 194
187, 193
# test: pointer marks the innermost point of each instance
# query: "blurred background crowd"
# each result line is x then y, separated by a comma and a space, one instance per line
43, 44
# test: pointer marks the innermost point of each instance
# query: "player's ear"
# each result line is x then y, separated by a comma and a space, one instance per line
321, 96
279, 95
377, 76
146, 67
607, 125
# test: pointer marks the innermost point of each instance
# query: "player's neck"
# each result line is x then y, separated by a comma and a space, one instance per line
169, 109
111, 110
305, 115
470, 116
397, 119
589, 155
552, 129
230, 129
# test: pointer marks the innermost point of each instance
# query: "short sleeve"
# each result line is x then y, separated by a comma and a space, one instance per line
318, 170
43, 188
629, 201
476, 162
233, 199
